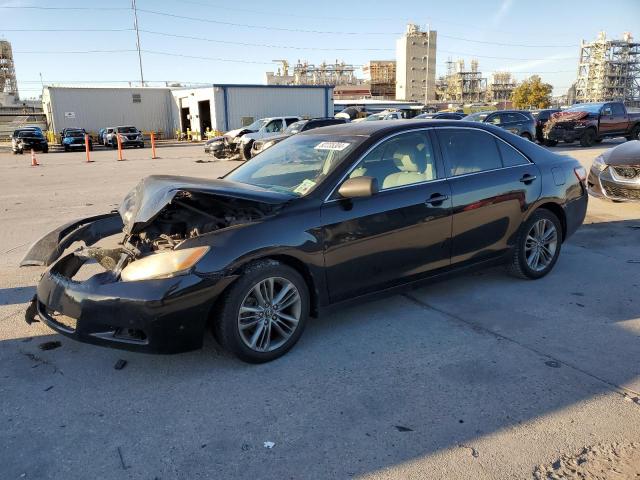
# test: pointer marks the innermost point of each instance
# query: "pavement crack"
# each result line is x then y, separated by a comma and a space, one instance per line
619, 389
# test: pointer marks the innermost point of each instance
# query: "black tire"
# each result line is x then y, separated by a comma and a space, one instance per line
225, 321
518, 266
245, 151
550, 143
45, 150
588, 138
635, 133
15, 152
598, 140
66, 148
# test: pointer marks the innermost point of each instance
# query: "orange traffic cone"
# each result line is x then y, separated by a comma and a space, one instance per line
34, 160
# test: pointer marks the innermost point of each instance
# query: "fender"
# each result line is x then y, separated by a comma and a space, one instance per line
48, 249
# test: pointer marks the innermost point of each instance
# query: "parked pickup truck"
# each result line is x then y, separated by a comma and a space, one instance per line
589, 123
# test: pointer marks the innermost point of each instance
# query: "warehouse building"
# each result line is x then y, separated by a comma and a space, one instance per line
165, 110
92, 108
227, 106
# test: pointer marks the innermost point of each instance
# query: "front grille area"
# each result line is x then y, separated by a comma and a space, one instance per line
617, 191
628, 173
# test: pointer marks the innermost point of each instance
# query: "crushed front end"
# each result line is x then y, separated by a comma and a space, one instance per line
145, 291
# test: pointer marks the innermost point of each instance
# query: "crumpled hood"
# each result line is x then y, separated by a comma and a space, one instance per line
626, 154
153, 193
231, 134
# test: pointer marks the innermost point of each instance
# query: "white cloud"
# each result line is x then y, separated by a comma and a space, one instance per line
502, 12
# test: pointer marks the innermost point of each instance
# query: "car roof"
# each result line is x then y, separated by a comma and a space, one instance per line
384, 127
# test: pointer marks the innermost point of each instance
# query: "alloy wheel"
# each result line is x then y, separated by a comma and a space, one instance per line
269, 314
541, 244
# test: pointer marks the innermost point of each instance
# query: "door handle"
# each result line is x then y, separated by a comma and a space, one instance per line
527, 179
436, 199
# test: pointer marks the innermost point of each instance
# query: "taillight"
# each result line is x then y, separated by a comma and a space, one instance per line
581, 173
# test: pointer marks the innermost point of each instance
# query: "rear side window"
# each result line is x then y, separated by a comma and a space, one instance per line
468, 151
510, 156
289, 121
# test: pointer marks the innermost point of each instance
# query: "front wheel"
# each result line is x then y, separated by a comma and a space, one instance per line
45, 150
263, 314
537, 246
245, 151
550, 143
588, 138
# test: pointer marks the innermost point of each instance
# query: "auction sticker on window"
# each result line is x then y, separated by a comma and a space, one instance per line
304, 187
337, 146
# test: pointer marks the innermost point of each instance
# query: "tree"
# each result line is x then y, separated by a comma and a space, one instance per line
532, 93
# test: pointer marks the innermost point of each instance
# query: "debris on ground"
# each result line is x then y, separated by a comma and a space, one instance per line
269, 444
120, 364
552, 364
50, 345
48, 388
617, 461
400, 428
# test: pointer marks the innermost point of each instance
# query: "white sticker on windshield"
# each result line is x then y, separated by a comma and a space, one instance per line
304, 187
338, 146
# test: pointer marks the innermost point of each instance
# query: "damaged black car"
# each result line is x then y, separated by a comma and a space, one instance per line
317, 221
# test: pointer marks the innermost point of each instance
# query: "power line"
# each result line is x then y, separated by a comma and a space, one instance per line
70, 52
228, 42
37, 7
198, 57
67, 29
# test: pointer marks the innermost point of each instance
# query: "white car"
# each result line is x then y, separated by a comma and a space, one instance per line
266, 127
381, 116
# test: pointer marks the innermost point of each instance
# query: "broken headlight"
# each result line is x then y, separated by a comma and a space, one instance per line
163, 265
599, 164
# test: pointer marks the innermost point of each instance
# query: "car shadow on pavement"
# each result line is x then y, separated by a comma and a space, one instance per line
16, 295
441, 368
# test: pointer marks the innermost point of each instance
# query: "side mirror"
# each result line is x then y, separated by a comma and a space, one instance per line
358, 187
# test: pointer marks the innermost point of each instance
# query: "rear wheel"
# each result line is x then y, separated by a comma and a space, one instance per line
537, 247
550, 143
588, 138
635, 133
263, 314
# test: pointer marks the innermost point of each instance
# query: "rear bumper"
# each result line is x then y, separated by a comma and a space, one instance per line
575, 213
152, 316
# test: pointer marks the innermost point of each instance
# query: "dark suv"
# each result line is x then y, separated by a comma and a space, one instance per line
518, 122
542, 117
296, 127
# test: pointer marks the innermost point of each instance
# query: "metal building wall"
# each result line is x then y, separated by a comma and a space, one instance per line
233, 102
95, 108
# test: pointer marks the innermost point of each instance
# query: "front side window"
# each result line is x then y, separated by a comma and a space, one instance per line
274, 126
617, 109
297, 165
402, 160
468, 151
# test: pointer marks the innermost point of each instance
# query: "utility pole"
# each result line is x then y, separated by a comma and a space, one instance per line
135, 25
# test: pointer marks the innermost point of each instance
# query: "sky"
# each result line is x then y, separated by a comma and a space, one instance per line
210, 41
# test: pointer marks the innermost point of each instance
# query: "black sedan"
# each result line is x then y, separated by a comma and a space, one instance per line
615, 174
518, 122
321, 219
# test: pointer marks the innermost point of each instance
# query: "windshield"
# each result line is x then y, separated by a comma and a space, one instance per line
257, 125
295, 127
29, 133
296, 165
75, 133
375, 116
477, 117
586, 107
127, 130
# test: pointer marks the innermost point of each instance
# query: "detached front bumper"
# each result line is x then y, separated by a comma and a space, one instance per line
566, 135
152, 316
155, 316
